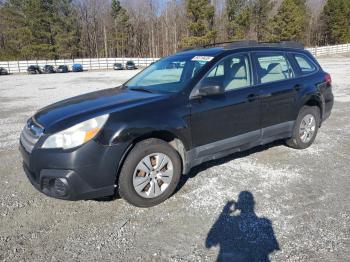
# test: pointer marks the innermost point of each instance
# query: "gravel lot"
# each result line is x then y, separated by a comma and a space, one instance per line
302, 209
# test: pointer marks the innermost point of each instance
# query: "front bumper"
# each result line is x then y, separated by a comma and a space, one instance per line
86, 172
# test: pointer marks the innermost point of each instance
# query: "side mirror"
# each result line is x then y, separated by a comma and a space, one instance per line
209, 90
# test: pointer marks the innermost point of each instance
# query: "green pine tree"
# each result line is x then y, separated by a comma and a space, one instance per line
240, 19
233, 11
14, 33
201, 23
336, 19
121, 28
66, 30
38, 17
290, 22
261, 9
233, 8
39, 29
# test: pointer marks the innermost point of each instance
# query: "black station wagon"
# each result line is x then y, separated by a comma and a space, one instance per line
196, 105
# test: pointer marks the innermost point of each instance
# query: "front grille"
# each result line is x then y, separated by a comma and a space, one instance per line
30, 135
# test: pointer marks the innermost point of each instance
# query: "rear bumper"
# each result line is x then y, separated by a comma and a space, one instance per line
86, 172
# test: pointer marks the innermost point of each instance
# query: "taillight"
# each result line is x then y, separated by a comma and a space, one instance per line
328, 79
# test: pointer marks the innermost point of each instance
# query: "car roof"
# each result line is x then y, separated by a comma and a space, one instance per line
201, 51
249, 45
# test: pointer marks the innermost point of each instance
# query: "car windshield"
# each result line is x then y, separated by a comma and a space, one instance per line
170, 74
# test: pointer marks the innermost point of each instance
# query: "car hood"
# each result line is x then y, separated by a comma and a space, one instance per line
69, 112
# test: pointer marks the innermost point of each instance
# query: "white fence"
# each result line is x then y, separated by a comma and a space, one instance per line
87, 63
107, 63
329, 50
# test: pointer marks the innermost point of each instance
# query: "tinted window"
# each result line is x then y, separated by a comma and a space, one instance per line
232, 72
273, 67
305, 65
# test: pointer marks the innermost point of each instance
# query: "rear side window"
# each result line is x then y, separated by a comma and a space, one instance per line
305, 64
273, 67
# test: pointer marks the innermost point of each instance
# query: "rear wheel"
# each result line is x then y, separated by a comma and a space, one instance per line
150, 173
305, 128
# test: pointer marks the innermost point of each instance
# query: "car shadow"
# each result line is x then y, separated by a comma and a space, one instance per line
198, 169
204, 166
240, 234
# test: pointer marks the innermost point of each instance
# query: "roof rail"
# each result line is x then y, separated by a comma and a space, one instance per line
229, 45
284, 43
205, 46
242, 43
253, 43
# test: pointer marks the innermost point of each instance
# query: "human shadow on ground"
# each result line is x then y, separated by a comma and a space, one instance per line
240, 234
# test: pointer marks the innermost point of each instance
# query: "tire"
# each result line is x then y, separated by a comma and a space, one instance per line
152, 150
299, 141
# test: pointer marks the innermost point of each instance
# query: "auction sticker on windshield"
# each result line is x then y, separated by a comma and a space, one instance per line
202, 58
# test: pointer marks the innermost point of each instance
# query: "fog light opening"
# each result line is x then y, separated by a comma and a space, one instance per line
60, 187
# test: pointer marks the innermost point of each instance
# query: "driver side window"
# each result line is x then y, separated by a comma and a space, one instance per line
232, 72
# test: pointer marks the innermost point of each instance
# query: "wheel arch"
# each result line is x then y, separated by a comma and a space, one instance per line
316, 101
173, 140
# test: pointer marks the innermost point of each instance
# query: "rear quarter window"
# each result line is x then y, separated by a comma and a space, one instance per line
305, 64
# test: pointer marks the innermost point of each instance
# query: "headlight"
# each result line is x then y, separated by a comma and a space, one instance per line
76, 135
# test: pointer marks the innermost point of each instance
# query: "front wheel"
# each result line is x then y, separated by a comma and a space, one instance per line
305, 128
150, 173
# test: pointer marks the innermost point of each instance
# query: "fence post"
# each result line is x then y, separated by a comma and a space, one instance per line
19, 68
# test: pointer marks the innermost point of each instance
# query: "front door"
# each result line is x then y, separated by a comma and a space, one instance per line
231, 119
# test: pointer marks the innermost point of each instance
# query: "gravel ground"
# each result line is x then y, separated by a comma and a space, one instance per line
302, 209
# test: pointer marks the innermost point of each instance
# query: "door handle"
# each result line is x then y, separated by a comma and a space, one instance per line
252, 97
297, 87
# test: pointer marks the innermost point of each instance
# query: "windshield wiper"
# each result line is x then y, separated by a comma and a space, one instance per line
141, 89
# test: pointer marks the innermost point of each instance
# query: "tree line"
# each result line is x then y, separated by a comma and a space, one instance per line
54, 29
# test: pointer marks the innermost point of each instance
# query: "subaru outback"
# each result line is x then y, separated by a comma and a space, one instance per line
139, 138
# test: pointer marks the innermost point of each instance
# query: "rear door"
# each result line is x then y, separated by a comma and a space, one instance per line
277, 91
